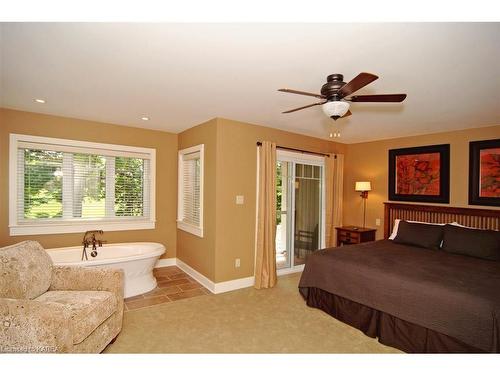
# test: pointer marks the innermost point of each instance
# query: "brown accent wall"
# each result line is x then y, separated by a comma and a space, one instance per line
369, 162
12, 121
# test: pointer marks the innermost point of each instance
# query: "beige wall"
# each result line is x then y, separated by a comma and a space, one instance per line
236, 175
230, 170
369, 162
197, 252
60, 127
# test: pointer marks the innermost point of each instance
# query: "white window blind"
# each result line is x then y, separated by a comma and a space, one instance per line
191, 190
61, 182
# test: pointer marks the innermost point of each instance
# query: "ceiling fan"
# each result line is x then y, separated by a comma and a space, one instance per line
335, 94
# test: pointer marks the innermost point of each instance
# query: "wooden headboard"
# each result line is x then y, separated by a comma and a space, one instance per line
471, 217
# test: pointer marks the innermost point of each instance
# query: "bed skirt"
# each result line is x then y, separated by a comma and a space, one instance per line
389, 330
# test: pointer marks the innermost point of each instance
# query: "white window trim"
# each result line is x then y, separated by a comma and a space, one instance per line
302, 158
193, 229
78, 225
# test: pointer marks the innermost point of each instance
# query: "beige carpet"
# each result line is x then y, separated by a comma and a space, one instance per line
244, 321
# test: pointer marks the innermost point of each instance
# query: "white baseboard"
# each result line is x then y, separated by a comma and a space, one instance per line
222, 287
227, 286
203, 280
287, 271
166, 262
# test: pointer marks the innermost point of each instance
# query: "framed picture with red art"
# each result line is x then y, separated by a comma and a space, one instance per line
420, 174
484, 172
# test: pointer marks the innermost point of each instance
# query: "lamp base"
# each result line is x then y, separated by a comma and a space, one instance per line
365, 197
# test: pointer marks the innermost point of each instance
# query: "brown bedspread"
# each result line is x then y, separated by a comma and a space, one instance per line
455, 295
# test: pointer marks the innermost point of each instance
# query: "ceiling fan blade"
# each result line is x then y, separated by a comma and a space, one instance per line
347, 114
303, 93
306, 106
378, 98
361, 80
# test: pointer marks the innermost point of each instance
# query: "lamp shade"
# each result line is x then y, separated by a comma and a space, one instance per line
363, 186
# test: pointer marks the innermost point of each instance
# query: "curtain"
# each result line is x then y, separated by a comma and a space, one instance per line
265, 257
334, 176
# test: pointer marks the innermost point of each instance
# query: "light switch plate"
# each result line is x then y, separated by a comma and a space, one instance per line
240, 199
377, 222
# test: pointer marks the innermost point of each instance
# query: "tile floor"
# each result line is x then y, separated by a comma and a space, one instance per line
173, 285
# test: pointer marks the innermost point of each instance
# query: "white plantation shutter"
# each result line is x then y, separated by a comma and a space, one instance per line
39, 183
190, 190
54, 183
87, 184
131, 188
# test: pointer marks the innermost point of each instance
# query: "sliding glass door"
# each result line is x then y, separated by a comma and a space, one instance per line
284, 214
300, 208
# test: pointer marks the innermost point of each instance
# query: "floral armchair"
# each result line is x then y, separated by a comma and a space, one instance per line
47, 308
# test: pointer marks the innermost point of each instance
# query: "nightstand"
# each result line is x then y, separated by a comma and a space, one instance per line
350, 235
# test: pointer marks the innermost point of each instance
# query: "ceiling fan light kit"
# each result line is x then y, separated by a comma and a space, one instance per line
335, 109
335, 94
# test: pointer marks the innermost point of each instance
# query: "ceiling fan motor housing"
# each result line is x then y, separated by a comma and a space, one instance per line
333, 83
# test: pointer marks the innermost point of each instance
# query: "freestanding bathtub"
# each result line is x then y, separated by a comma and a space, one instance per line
137, 259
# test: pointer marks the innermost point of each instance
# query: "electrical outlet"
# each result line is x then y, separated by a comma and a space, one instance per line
377, 222
237, 263
240, 199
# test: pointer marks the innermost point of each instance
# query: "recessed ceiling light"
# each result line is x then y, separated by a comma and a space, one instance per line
42, 101
145, 118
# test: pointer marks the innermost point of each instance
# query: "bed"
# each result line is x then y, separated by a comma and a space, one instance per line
412, 298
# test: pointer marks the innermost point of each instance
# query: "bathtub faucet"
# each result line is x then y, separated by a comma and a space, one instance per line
89, 239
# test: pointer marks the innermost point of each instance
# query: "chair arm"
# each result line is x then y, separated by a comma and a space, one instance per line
88, 278
33, 326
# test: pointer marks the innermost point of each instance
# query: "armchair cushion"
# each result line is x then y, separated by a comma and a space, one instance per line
25, 270
31, 326
88, 309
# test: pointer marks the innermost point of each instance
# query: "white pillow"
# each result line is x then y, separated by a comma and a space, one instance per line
394, 229
396, 226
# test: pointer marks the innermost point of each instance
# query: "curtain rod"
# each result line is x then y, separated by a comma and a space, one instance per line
299, 150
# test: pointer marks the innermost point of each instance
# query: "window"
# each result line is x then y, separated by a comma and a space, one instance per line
66, 186
190, 201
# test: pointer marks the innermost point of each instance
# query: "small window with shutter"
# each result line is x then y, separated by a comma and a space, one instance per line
190, 201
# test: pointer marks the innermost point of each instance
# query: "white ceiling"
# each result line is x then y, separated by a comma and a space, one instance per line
183, 74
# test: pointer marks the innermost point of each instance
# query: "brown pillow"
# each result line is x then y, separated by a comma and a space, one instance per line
478, 243
421, 235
